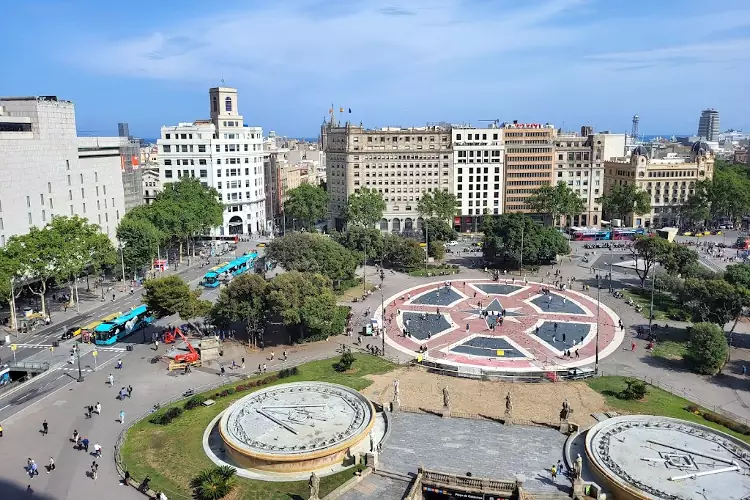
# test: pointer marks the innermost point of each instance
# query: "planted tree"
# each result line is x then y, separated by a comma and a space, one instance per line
214, 483
306, 203
707, 348
243, 300
624, 199
172, 295
402, 253
714, 301
361, 239
438, 204
140, 240
515, 235
364, 208
10, 269
314, 253
648, 250
557, 200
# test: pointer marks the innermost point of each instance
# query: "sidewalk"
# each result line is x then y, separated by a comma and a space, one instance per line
64, 410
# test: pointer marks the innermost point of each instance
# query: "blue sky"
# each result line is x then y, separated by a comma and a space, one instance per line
399, 62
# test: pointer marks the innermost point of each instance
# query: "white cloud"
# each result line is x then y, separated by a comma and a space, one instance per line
285, 41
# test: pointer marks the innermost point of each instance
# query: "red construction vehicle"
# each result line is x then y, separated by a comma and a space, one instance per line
191, 357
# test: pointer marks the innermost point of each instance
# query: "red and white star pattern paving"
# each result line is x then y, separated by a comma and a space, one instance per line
455, 324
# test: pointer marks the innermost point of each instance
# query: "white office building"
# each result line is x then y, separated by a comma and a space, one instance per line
48, 171
478, 174
225, 154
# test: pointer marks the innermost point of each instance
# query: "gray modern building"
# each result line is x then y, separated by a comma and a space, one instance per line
47, 170
708, 125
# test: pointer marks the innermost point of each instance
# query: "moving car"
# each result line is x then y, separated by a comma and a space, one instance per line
71, 332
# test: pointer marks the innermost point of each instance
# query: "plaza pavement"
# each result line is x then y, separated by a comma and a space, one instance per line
63, 406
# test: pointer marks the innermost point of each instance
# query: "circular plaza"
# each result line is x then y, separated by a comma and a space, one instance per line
295, 427
509, 325
645, 457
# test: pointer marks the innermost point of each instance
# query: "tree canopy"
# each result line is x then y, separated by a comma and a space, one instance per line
438, 204
402, 253
364, 207
503, 240
623, 199
707, 348
140, 240
306, 203
361, 239
314, 253
438, 229
172, 295
557, 200
727, 194
714, 301
242, 300
62, 250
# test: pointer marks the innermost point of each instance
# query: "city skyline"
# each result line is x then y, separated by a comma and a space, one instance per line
406, 62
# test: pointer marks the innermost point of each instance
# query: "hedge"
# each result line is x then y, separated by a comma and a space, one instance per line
719, 419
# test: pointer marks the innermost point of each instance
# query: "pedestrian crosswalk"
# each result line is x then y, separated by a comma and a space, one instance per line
111, 349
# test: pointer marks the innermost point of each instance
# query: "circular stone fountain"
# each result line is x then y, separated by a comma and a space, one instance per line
661, 458
296, 427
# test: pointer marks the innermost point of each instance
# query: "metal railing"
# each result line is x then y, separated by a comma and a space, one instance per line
39, 366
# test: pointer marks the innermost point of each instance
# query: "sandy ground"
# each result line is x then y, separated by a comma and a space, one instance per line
540, 402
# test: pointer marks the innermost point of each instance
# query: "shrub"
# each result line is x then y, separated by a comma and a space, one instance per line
194, 402
166, 417
288, 372
271, 379
345, 363
213, 483
719, 419
241, 387
635, 390
224, 393
707, 348
231, 390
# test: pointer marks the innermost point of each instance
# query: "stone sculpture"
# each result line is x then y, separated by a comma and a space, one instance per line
508, 404
446, 397
396, 392
566, 411
314, 485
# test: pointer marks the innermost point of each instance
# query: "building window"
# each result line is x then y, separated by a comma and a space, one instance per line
49, 189
41, 197
84, 208
2, 225
97, 190
118, 214
30, 217
28, 202
166, 136
167, 148
201, 148
204, 173
168, 162
71, 210
51, 206
67, 164
214, 105
83, 193
228, 104
167, 174
105, 190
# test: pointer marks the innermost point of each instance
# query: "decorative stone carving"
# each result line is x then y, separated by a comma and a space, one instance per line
314, 485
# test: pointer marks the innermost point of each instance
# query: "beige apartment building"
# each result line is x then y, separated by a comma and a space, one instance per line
401, 163
579, 163
529, 153
669, 181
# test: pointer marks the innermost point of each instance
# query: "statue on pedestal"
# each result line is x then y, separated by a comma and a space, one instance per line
566, 411
508, 404
314, 485
396, 392
578, 470
446, 397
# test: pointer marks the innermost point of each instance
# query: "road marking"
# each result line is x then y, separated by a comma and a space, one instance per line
4, 407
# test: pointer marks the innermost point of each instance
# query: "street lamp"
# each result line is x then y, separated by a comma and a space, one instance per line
598, 297
78, 355
382, 305
651, 309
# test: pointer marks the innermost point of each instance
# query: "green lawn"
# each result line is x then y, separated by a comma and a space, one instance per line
665, 306
433, 271
172, 455
670, 349
656, 402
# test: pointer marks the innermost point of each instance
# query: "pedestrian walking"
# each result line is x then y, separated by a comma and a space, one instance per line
264, 368
130, 391
119, 364
45, 428
94, 470
122, 417
111, 380
32, 467
744, 372
554, 473
1, 430
243, 362
272, 353
234, 365
85, 444
51, 465
260, 368
76, 436
113, 297
156, 345
285, 355
223, 371
97, 450
632, 347
98, 408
